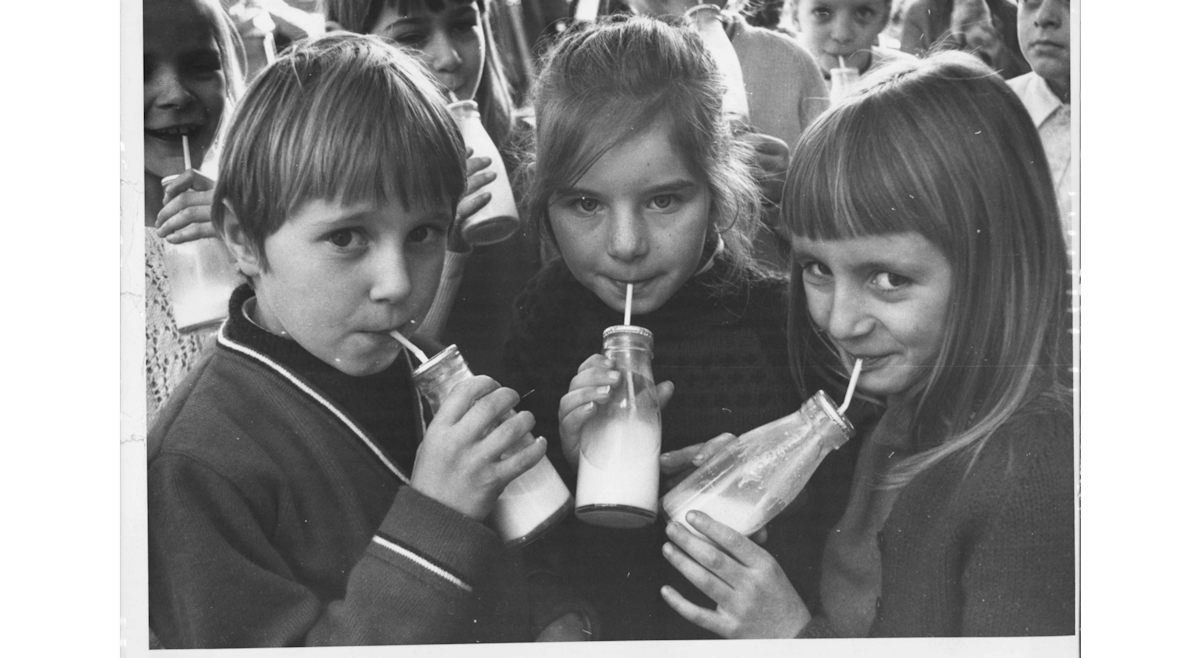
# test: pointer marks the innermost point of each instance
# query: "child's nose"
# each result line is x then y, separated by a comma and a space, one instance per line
443, 53
168, 90
390, 281
627, 239
849, 315
843, 29
1048, 14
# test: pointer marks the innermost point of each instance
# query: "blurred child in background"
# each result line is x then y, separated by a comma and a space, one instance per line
1044, 28
843, 32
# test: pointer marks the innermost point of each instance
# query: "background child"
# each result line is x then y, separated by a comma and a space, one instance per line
292, 499
986, 28
191, 79
455, 38
636, 178
1044, 29
834, 31
961, 512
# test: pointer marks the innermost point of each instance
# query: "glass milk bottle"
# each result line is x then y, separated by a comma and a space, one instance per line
531, 504
498, 220
754, 477
842, 81
705, 20
618, 450
201, 274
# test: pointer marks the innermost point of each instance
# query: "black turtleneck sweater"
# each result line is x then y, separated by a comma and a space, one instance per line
382, 404
725, 350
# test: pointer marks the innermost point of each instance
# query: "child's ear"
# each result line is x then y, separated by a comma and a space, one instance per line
240, 245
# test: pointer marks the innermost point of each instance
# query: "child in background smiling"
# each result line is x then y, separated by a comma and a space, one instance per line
296, 494
637, 179
191, 80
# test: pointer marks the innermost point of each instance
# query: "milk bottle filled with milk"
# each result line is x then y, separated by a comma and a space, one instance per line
531, 504
618, 450
754, 477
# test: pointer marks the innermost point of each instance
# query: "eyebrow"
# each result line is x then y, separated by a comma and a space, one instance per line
677, 185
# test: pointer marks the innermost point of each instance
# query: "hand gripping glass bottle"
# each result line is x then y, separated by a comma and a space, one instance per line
755, 476
619, 446
531, 504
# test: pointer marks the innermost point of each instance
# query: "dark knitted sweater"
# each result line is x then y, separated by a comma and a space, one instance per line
276, 517
983, 549
726, 353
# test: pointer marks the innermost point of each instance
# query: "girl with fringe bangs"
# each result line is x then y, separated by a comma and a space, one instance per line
926, 243
637, 179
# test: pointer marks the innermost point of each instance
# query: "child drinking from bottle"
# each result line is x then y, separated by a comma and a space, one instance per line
191, 81
296, 494
950, 283
637, 180
843, 33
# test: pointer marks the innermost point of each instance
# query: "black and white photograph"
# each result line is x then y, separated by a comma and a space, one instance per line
454, 326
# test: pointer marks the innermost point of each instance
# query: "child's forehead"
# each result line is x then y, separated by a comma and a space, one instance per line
433, 6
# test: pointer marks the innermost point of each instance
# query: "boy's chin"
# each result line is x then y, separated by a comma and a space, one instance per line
364, 366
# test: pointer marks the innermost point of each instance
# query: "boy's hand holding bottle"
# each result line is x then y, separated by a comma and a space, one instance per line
478, 176
461, 463
590, 387
187, 208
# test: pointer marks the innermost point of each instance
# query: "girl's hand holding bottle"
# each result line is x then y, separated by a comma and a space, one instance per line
187, 208
754, 598
678, 464
461, 463
477, 177
590, 387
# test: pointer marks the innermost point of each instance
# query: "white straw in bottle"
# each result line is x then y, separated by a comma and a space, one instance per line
408, 344
850, 388
187, 154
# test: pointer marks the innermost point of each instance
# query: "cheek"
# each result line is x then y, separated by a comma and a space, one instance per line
818, 308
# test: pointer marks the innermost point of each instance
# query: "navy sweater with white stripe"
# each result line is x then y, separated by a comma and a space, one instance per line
278, 516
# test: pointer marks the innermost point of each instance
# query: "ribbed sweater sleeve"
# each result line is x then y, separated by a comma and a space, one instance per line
413, 585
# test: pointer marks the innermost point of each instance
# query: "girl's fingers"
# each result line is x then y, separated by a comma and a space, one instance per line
478, 180
188, 180
197, 215
469, 206
707, 619
595, 361
199, 203
712, 447
665, 391
693, 560
191, 232
676, 460
475, 165
737, 545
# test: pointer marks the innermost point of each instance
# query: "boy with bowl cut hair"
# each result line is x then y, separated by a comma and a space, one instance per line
1044, 30
296, 495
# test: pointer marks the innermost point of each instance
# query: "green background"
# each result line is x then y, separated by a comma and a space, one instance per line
1139, 455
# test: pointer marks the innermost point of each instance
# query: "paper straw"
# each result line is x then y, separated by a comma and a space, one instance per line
850, 388
187, 155
408, 344
628, 302
842, 61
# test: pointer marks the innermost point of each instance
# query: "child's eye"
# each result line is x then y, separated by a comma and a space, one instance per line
585, 205
865, 14
889, 282
425, 234
346, 238
820, 12
410, 38
815, 271
465, 25
663, 202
